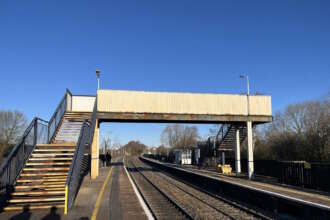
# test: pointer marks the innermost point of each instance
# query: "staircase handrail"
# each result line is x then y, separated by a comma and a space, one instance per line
14, 162
74, 177
75, 173
223, 132
57, 116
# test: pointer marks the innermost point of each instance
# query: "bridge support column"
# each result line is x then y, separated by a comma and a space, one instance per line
95, 152
237, 153
250, 150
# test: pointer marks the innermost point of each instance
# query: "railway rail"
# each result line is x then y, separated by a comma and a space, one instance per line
160, 205
196, 203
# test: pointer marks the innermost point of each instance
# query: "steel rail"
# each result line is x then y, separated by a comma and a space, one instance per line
234, 204
175, 204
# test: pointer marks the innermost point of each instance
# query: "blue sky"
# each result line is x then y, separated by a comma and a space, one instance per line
192, 46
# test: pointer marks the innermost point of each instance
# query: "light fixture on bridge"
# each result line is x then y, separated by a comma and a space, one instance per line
247, 82
98, 73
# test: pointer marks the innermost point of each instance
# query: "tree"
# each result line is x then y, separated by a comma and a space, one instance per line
301, 132
179, 136
134, 148
106, 142
162, 150
12, 126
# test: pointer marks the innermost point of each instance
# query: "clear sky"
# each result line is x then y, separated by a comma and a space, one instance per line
191, 46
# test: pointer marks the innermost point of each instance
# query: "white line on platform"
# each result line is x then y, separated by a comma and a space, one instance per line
142, 203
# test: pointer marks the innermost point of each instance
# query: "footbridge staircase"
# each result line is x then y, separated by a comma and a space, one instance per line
226, 137
45, 168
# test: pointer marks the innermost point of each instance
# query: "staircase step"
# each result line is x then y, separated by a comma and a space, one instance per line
54, 150
47, 169
49, 158
71, 144
54, 177
47, 163
69, 126
68, 135
37, 193
41, 206
50, 182
43, 181
69, 129
73, 139
39, 186
43, 199
51, 154
43, 174
55, 189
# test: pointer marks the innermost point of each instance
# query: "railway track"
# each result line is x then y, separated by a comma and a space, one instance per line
198, 204
160, 205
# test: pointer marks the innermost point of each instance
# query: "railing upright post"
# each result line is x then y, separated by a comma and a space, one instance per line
23, 143
48, 125
8, 178
35, 131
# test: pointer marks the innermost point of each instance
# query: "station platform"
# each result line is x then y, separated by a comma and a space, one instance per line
287, 192
124, 203
109, 196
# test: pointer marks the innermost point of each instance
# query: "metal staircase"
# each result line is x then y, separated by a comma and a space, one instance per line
41, 183
35, 174
227, 136
70, 127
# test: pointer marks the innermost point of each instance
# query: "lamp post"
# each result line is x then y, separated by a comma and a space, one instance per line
98, 73
247, 82
249, 130
247, 92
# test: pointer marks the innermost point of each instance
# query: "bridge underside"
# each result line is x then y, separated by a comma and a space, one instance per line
179, 118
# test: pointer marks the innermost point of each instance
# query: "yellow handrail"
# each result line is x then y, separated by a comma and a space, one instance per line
66, 200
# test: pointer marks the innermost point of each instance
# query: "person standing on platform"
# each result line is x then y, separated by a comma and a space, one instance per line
108, 158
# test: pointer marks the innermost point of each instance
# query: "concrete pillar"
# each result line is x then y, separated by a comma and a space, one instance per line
250, 150
223, 158
95, 152
237, 153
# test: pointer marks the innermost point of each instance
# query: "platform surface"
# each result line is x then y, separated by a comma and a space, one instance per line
118, 200
124, 203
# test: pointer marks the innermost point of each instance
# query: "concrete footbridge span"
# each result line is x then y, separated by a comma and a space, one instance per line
141, 106
51, 154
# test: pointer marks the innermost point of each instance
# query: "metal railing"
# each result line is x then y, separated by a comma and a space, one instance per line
76, 171
36, 133
76, 168
221, 135
56, 118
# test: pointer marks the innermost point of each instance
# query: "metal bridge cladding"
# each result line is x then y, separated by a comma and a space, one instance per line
139, 106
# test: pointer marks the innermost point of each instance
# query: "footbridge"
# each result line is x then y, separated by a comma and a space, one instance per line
170, 107
44, 168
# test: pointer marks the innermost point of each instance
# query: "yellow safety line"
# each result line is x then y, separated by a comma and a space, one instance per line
99, 197
66, 200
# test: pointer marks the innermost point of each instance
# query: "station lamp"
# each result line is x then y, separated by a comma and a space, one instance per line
98, 73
